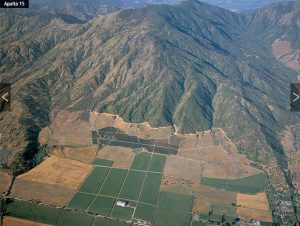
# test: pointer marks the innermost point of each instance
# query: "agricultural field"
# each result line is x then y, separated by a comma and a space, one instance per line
252, 184
170, 217
163, 178
67, 129
150, 191
121, 156
47, 215
157, 163
84, 154
81, 201
102, 162
231, 172
182, 203
254, 206
12, 221
102, 205
183, 168
93, 183
122, 213
100, 221
145, 212
132, 185
65, 177
113, 182
141, 161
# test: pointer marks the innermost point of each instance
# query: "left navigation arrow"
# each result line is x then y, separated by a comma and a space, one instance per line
5, 97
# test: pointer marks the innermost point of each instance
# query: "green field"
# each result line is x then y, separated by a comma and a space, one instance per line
94, 137
222, 208
47, 215
124, 213
183, 203
81, 201
116, 137
165, 150
151, 187
133, 185
144, 212
166, 217
157, 163
113, 182
141, 161
250, 185
67, 218
198, 224
102, 205
93, 183
108, 222
102, 162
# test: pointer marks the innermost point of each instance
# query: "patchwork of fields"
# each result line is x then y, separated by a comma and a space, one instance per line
139, 186
165, 179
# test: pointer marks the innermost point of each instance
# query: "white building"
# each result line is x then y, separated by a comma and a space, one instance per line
122, 203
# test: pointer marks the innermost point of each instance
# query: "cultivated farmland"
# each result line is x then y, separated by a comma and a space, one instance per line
159, 177
102, 205
121, 156
65, 177
12, 221
93, 183
113, 182
132, 185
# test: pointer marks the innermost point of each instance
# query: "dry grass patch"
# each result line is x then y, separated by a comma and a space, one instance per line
283, 51
12, 221
258, 201
248, 213
187, 141
216, 155
86, 154
231, 172
199, 140
206, 139
176, 185
67, 129
5, 181
121, 156
206, 196
145, 131
104, 120
121, 125
183, 168
52, 182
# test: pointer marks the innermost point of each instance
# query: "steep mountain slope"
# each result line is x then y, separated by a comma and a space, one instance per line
86, 10
240, 5
192, 65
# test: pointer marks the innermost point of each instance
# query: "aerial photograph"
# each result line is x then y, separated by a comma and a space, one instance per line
149, 112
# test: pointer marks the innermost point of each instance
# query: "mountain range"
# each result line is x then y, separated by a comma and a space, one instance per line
190, 65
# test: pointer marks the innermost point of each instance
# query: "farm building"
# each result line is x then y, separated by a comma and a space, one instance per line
122, 203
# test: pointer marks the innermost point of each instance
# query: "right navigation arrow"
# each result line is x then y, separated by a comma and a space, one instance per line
297, 97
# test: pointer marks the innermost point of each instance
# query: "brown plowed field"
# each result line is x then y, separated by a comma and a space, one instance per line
258, 201
183, 168
228, 172
52, 182
121, 156
12, 221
